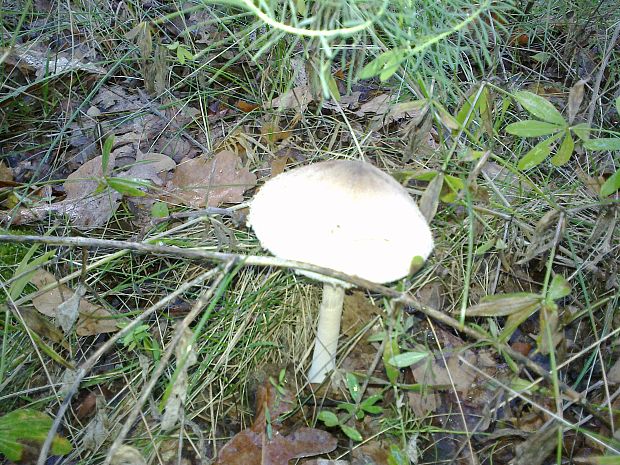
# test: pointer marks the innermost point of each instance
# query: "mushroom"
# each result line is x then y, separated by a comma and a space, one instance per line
344, 215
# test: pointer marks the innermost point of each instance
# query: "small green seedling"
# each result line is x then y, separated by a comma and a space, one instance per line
553, 127
141, 338
357, 409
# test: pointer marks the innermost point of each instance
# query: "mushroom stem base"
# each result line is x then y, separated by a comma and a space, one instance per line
328, 330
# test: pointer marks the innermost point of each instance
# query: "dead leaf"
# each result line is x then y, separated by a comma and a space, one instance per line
297, 99
613, 375
575, 97
6, 174
43, 327
537, 448
93, 319
199, 182
260, 445
150, 166
185, 355
127, 455
67, 311
44, 62
429, 202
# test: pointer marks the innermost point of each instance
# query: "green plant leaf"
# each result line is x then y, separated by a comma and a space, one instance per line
606, 143
105, 153
369, 404
540, 107
385, 65
354, 387
618, 105
329, 418
503, 304
537, 154
391, 349
532, 128
160, 210
565, 151
407, 359
514, 321
558, 288
582, 130
26, 427
128, 186
352, 433
542, 57
27, 269
611, 185
397, 456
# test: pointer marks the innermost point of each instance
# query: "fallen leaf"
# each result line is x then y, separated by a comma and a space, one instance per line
67, 311
613, 376
378, 105
42, 326
92, 320
46, 63
200, 182
429, 202
150, 166
6, 174
127, 455
185, 355
263, 444
298, 99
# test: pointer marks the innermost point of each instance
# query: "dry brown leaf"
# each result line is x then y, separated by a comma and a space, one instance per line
42, 62
440, 373
575, 97
42, 326
298, 99
429, 202
150, 166
200, 182
613, 375
93, 319
378, 105
253, 446
185, 355
6, 174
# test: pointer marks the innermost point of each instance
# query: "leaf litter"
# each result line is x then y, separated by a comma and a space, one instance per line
264, 443
91, 319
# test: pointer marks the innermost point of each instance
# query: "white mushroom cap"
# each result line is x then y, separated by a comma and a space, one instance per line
342, 214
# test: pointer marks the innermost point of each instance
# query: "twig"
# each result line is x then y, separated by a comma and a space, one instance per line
599, 77
252, 260
89, 363
162, 365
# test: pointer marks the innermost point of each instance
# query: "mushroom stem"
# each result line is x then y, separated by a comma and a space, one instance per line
328, 330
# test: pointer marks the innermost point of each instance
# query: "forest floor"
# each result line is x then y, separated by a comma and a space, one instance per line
140, 312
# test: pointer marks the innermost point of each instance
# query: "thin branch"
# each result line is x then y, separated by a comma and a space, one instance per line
599, 77
252, 260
